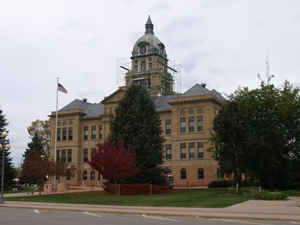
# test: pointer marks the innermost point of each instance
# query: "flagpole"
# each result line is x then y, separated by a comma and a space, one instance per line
55, 142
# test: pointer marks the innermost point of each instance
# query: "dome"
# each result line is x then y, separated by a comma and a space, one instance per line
149, 43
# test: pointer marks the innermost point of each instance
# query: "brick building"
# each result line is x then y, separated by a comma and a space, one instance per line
186, 120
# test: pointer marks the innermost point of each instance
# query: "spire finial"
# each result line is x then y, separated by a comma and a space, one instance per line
149, 26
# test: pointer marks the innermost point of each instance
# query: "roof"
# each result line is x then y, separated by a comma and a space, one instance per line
161, 102
201, 90
155, 46
90, 109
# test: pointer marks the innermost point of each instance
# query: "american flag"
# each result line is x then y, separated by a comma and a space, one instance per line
61, 88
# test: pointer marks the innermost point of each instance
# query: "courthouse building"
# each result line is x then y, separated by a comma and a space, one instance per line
186, 118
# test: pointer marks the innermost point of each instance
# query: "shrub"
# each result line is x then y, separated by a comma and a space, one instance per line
270, 195
221, 184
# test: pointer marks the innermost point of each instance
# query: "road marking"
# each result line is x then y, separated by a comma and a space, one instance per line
160, 218
92, 214
36, 211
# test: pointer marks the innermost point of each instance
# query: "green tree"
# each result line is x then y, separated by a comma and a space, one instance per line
9, 171
138, 124
41, 128
260, 129
37, 147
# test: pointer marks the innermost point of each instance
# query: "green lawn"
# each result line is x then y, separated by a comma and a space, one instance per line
210, 198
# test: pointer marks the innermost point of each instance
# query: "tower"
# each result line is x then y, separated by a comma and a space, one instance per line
149, 64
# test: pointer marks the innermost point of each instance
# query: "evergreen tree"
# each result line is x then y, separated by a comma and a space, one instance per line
34, 146
138, 124
9, 171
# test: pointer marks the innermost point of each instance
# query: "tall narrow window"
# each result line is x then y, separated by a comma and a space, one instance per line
70, 133
200, 150
85, 133
93, 153
70, 155
143, 66
168, 151
199, 123
168, 127
192, 150
136, 66
183, 173
63, 155
85, 155
182, 151
150, 66
191, 124
200, 173
182, 125
100, 132
57, 155
84, 175
64, 134
93, 132
58, 134
92, 175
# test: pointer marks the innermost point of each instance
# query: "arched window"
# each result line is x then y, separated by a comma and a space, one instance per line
84, 175
200, 173
183, 173
92, 175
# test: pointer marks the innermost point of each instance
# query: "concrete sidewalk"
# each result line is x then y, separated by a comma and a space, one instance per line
254, 209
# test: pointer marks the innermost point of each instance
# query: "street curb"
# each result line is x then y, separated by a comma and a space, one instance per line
164, 214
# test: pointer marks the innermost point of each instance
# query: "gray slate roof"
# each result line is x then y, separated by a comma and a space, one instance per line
161, 102
200, 90
91, 110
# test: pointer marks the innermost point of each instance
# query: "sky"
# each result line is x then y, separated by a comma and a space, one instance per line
223, 43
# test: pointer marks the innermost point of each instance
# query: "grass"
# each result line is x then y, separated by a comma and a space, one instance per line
208, 198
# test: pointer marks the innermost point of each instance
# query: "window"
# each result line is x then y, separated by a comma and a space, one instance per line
170, 179
57, 156
99, 176
84, 175
136, 66
200, 150
58, 134
92, 175
183, 173
168, 127
70, 133
68, 176
143, 66
70, 155
191, 124
93, 132
85, 133
168, 151
182, 125
93, 153
182, 151
192, 150
70, 122
150, 66
64, 134
191, 111
63, 155
199, 123
85, 155
100, 132
200, 173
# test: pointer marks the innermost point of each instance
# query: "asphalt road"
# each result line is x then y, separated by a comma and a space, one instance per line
10, 216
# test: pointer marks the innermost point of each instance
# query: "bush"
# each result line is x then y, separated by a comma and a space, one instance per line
294, 186
270, 196
221, 184
250, 183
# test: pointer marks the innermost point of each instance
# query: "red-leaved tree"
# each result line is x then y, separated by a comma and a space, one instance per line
114, 162
37, 168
